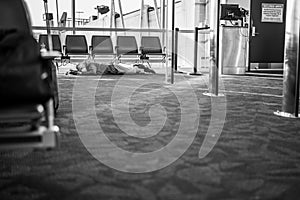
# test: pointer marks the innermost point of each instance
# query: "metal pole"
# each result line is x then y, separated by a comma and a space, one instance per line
113, 16
297, 79
48, 26
176, 49
166, 40
196, 50
214, 48
173, 44
141, 14
57, 14
156, 13
73, 16
112, 13
141, 18
290, 68
147, 19
121, 13
196, 73
290, 102
163, 21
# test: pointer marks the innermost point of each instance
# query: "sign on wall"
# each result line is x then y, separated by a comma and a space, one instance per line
272, 12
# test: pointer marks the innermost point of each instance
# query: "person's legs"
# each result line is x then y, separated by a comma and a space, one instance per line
125, 68
143, 67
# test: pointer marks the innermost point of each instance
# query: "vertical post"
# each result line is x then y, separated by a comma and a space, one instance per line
298, 70
73, 16
214, 48
196, 44
173, 44
48, 26
112, 14
141, 17
156, 14
147, 18
163, 21
291, 54
57, 14
141, 14
196, 50
297, 80
121, 13
166, 40
113, 21
290, 102
176, 49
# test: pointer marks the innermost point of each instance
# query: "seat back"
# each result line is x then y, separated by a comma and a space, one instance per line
43, 39
126, 45
14, 16
102, 44
76, 44
150, 45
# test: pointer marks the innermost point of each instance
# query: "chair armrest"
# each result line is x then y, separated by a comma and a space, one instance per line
164, 49
141, 49
116, 49
50, 55
65, 49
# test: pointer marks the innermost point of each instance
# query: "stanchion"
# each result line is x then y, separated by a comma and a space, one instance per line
196, 73
173, 42
176, 53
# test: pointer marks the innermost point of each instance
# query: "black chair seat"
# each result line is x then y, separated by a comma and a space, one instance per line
101, 45
56, 43
151, 45
76, 44
126, 45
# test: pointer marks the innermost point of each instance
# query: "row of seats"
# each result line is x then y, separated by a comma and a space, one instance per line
102, 45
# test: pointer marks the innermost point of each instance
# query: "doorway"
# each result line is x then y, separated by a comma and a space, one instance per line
267, 36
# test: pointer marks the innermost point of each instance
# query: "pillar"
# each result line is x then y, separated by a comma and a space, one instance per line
291, 59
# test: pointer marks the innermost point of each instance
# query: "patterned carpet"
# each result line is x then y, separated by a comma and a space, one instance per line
256, 155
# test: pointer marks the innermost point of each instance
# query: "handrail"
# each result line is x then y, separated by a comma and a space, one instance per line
204, 30
99, 29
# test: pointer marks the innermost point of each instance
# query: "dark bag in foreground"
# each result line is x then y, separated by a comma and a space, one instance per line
24, 75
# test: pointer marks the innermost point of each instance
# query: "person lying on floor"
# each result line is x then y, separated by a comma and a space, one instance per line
92, 68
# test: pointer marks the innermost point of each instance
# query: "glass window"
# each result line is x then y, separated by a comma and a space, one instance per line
37, 10
85, 9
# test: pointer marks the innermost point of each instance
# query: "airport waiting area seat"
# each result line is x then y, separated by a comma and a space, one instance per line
127, 48
102, 48
26, 84
76, 48
56, 46
56, 43
151, 49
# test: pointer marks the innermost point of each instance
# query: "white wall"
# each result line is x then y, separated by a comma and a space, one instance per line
243, 3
